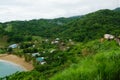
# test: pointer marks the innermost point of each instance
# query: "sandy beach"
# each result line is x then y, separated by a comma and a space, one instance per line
17, 60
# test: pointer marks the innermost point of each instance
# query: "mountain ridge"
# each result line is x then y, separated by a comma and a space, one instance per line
78, 26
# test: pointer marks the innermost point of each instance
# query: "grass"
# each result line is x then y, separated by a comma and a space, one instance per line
37, 38
102, 62
3, 42
104, 65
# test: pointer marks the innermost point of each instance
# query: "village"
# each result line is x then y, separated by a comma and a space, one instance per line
40, 51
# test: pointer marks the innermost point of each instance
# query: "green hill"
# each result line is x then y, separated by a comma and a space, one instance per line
93, 26
117, 9
82, 28
87, 57
93, 60
103, 65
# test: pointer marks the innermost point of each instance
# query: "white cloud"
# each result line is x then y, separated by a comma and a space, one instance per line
35, 9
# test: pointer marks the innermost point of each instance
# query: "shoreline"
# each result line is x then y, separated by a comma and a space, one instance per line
13, 59
5, 61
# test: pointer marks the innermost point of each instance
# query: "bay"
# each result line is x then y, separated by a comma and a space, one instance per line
8, 68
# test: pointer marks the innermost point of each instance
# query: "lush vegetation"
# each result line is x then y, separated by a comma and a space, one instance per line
33, 75
73, 48
94, 60
96, 24
105, 65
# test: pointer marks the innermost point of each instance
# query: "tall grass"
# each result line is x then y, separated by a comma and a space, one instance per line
105, 65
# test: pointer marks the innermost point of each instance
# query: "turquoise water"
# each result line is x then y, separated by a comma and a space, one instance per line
7, 68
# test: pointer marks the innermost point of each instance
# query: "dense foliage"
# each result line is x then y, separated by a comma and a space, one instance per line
33, 75
82, 28
72, 46
93, 26
105, 65
94, 60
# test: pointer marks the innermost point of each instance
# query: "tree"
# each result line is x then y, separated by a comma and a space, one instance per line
10, 50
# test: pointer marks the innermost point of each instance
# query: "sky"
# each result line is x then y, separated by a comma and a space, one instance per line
36, 9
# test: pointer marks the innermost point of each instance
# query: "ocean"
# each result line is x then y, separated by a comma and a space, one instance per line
8, 68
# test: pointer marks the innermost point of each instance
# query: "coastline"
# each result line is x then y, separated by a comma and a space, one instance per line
13, 59
13, 64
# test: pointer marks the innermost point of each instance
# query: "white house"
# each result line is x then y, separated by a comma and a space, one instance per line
13, 46
33, 46
43, 62
35, 54
70, 40
109, 36
46, 40
54, 42
57, 39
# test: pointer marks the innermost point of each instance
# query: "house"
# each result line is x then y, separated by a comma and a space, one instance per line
109, 36
46, 40
70, 40
35, 54
43, 62
57, 39
40, 60
52, 42
13, 46
33, 46
55, 42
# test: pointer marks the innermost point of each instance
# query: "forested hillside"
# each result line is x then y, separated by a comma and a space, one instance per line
74, 46
102, 63
94, 26
81, 28
46, 28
